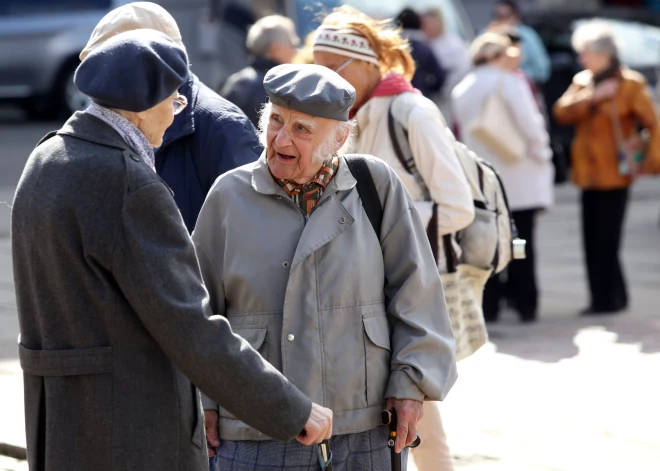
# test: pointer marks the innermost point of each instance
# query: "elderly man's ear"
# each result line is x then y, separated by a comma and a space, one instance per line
341, 140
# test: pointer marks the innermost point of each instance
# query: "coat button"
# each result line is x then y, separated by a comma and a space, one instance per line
286, 264
342, 220
291, 337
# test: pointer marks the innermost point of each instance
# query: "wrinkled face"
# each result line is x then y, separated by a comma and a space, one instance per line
291, 141
594, 61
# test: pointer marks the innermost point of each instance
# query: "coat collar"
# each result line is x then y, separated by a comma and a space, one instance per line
263, 182
184, 123
90, 128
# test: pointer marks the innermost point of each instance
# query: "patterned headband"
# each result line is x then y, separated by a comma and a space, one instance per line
345, 43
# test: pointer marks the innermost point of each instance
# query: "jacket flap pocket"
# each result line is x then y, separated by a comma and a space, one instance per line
255, 336
66, 362
378, 331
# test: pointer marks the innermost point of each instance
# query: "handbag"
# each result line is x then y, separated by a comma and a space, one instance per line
463, 291
631, 151
496, 128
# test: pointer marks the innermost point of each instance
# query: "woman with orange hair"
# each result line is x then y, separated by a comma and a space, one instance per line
376, 60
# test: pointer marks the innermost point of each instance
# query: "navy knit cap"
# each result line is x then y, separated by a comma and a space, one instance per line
133, 71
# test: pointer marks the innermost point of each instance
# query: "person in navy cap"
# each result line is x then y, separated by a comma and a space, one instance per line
114, 318
209, 137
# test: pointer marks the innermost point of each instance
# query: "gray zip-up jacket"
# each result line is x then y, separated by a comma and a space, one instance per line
113, 317
347, 318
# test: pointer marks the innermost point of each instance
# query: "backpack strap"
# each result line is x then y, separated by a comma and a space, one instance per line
401, 145
367, 190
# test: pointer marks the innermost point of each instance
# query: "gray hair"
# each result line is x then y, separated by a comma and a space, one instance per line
597, 36
326, 148
269, 30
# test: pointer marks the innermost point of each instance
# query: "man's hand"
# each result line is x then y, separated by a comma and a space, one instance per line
318, 426
212, 431
408, 413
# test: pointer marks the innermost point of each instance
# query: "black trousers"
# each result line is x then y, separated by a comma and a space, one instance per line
518, 282
603, 215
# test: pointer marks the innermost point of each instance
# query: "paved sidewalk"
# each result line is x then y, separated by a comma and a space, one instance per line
565, 394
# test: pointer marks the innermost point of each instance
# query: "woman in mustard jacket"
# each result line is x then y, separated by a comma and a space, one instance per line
608, 104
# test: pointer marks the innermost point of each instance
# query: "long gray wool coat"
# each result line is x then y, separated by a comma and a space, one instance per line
114, 318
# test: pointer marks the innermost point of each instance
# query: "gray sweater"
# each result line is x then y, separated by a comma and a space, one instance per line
114, 318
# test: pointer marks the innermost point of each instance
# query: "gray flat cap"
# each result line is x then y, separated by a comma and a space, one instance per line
311, 89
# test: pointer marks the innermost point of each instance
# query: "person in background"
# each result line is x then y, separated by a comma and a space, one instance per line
429, 76
377, 62
210, 137
606, 103
528, 181
272, 41
351, 313
535, 62
515, 63
114, 317
451, 51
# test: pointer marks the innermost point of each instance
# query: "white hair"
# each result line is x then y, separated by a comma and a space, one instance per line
269, 30
326, 148
597, 36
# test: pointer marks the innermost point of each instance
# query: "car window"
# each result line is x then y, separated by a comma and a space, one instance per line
639, 43
40, 7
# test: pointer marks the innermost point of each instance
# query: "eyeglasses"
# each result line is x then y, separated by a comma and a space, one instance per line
180, 103
343, 65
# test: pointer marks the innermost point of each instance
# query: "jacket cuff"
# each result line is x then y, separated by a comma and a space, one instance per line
401, 386
208, 403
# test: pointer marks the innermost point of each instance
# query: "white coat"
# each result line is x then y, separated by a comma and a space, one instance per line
529, 181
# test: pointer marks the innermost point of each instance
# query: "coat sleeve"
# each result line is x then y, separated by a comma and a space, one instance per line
528, 118
574, 105
441, 170
423, 362
157, 270
646, 115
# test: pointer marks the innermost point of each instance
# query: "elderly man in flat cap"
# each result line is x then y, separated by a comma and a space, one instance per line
348, 306
210, 137
113, 314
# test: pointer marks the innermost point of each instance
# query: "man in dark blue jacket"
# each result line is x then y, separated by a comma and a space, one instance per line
210, 137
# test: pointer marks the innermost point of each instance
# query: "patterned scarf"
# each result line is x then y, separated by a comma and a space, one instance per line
127, 130
307, 195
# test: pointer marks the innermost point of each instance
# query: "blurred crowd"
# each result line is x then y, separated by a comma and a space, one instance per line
333, 266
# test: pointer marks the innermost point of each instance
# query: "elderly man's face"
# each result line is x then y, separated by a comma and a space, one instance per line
291, 141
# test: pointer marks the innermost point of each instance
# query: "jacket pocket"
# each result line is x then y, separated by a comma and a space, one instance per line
377, 358
66, 362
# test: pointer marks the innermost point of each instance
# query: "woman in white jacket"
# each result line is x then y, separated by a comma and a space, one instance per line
528, 181
377, 62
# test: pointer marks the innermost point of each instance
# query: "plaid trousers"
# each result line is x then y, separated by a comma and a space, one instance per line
365, 451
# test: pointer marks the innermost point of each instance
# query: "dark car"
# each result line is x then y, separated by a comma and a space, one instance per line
637, 32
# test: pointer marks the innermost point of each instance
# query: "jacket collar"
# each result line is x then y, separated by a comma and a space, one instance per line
262, 64
90, 128
263, 182
184, 123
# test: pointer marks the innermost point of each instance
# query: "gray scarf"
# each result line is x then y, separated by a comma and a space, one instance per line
127, 130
